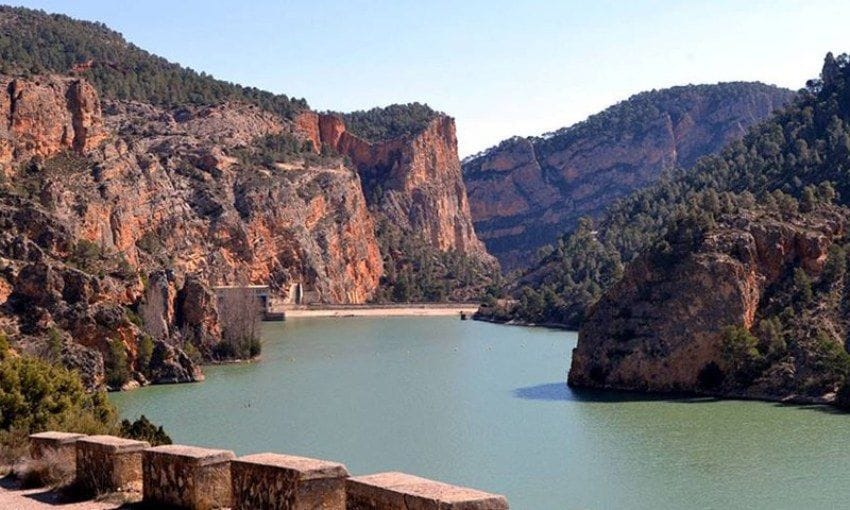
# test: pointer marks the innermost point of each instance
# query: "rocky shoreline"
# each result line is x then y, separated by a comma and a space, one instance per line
515, 322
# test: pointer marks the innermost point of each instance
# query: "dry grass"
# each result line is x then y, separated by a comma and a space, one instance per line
52, 470
14, 447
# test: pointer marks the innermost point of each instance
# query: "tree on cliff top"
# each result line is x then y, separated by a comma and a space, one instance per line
390, 121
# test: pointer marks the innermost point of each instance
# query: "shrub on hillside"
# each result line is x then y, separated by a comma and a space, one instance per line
36, 395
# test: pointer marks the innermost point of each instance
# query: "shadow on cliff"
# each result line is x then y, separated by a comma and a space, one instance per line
559, 391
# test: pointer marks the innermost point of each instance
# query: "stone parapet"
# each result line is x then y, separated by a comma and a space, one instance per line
109, 464
187, 477
400, 491
270, 481
176, 476
63, 444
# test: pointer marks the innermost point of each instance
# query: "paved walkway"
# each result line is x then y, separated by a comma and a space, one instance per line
13, 497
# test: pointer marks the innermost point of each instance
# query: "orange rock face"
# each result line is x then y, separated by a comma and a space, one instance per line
419, 178
143, 188
47, 115
660, 329
306, 124
227, 222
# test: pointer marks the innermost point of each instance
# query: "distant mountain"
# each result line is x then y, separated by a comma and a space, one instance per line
526, 192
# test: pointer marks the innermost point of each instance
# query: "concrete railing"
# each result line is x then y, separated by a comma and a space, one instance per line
200, 478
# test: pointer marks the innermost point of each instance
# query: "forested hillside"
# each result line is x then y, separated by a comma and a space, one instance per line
385, 123
737, 282
801, 148
527, 192
35, 42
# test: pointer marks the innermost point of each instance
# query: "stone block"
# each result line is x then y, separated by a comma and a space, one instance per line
109, 464
270, 481
187, 477
61, 443
400, 491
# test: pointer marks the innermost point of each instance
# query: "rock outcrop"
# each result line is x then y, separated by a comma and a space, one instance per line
43, 116
97, 196
526, 192
665, 327
171, 188
414, 180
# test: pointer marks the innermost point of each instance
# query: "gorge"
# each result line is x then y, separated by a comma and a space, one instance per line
674, 268
128, 191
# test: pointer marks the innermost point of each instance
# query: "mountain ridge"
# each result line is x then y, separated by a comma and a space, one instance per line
527, 191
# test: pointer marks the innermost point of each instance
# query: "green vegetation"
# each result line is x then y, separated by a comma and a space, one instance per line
281, 148
36, 42
740, 348
416, 271
37, 395
389, 122
801, 153
115, 365
145, 353
86, 255
143, 430
581, 267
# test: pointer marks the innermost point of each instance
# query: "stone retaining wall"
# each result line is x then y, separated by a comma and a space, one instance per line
200, 479
400, 491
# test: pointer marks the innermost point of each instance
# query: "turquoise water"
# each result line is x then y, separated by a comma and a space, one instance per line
485, 406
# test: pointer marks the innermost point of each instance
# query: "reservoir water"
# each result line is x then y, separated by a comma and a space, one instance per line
486, 406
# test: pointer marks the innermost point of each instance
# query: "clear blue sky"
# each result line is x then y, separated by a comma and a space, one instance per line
502, 68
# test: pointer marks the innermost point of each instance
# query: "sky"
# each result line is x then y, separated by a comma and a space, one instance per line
501, 68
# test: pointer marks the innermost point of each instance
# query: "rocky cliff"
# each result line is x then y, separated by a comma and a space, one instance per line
47, 115
526, 192
414, 179
411, 177
752, 307
98, 196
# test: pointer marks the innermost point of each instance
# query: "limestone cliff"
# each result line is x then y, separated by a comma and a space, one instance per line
526, 192
44, 116
98, 196
727, 311
414, 179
